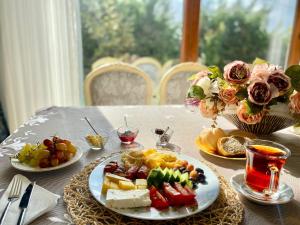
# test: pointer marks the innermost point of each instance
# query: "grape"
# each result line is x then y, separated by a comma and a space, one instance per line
54, 162
61, 147
48, 143
72, 149
33, 162
44, 163
60, 155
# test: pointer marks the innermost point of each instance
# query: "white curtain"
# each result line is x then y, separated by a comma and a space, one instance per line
40, 56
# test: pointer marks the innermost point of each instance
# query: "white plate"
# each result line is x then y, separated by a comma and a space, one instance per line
24, 167
205, 194
286, 193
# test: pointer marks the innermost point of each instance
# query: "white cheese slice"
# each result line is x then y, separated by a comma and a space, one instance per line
127, 199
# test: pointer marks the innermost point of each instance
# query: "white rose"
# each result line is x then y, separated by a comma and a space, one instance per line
205, 84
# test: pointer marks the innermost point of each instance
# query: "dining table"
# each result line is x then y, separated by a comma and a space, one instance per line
69, 123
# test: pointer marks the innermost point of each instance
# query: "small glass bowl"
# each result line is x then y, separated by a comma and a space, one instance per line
127, 135
96, 142
163, 139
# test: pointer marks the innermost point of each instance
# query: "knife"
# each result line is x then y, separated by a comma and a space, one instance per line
24, 203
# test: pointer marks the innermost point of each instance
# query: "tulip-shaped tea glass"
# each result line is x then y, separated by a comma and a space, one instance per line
265, 160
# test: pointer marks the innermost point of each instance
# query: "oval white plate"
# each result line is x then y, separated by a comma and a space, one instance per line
205, 194
24, 167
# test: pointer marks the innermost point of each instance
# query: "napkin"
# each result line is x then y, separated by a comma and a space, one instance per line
41, 201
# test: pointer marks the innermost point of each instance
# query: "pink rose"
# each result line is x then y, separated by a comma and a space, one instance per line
259, 92
281, 81
245, 117
236, 72
227, 95
210, 109
295, 103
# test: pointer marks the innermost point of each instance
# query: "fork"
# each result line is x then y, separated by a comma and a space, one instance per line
14, 195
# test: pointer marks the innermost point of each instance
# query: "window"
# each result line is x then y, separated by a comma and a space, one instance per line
242, 29
128, 29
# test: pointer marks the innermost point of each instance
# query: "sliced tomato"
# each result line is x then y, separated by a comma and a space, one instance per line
187, 196
190, 190
175, 198
158, 201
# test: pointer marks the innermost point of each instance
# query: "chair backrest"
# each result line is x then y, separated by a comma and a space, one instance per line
150, 66
166, 66
117, 84
174, 84
103, 61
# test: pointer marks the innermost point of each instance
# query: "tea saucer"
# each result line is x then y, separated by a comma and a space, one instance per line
286, 193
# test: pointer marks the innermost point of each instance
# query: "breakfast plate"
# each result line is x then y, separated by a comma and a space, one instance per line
26, 168
49, 154
205, 194
203, 149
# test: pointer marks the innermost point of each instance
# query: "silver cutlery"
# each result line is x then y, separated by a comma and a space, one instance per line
88, 121
24, 203
13, 195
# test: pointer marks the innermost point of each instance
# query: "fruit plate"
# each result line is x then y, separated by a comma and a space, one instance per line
203, 149
206, 194
24, 167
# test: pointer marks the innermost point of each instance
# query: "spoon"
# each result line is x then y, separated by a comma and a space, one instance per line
87, 120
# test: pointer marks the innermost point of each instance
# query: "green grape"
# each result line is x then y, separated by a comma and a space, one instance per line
33, 162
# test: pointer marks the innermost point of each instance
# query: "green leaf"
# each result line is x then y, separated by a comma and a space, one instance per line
193, 77
274, 101
286, 97
252, 108
215, 72
259, 61
242, 94
294, 73
196, 92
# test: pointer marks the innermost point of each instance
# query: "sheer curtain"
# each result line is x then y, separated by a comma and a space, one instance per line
40, 56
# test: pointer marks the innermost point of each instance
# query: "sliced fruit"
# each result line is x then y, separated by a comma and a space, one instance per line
115, 178
126, 185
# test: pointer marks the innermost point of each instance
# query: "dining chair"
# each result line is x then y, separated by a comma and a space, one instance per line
117, 84
166, 66
150, 66
174, 85
103, 61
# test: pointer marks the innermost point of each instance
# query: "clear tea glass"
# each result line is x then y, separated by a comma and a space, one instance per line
265, 160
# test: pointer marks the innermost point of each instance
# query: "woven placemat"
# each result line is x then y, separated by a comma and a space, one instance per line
85, 210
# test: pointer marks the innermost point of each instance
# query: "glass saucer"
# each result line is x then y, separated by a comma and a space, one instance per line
285, 192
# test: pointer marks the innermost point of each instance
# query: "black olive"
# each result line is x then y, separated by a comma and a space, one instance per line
159, 131
181, 169
199, 170
195, 185
185, 171
201, 178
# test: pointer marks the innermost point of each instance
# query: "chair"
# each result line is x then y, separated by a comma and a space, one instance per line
103, 61
174, 84
117, 84
150, 66
166, 66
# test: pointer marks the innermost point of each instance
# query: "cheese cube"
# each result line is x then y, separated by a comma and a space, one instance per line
141, 187
126, 185
142, 182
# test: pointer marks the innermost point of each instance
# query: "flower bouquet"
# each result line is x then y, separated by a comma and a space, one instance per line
260, 98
